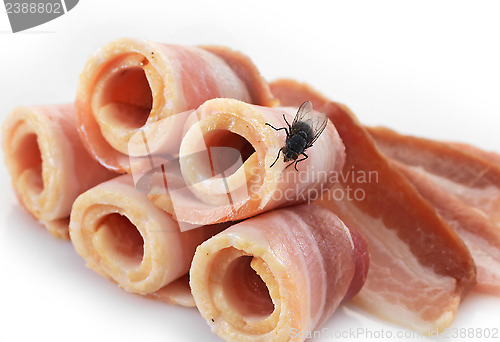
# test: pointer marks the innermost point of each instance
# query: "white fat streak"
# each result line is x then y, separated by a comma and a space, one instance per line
485, 255
483, 198
389, 248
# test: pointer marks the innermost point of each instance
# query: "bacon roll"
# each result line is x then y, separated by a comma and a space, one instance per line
48, 164
122, 236
278, 275
224, 171
130, 85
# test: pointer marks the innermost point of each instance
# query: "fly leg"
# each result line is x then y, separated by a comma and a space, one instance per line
299, 160
276, 156
289, 127
279, 129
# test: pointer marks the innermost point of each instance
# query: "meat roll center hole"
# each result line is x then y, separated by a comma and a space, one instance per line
227, 150
29, 157
129, 92
245, 290
126, 244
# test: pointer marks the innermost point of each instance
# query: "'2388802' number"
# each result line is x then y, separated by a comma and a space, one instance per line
25, 7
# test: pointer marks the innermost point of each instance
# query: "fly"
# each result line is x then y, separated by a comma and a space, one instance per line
305, 129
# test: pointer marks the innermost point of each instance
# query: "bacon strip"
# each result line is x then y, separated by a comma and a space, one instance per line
122, 236
47, 162
491, 156
230, 138
462, 185
275, 276
479, 233
130, 84
419, 267
473, 179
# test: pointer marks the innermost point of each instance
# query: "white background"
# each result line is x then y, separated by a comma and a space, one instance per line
430, 68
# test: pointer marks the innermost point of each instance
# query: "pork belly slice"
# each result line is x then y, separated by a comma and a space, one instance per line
419, 268
463, 183
479, 233
48, 165
122, 236
224, 168
491, 156
277, 276
469, 176
129, 85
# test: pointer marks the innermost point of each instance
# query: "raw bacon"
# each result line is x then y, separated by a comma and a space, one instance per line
479, 234
473, 179
122, 236
277, 276
419, 267
47, 162
491, 156
463, 183
130, 85
224, 168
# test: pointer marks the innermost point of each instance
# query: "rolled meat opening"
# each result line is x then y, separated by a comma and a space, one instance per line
277, 276
47, 162
122, 236
225, 170
131, 84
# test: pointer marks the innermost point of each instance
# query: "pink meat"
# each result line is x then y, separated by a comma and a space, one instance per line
122, 236
463, 186
275, 276
491, 156
199, 188
48, 163
479, 234
473, 179
130, 85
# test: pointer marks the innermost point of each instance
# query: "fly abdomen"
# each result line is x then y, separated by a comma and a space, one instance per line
297, 143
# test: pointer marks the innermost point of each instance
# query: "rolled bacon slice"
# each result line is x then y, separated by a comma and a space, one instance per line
122, 236
224, 168
419, 268
277, 276
47, 162
130, 85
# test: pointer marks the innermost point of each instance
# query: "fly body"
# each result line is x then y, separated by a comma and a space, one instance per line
305, 129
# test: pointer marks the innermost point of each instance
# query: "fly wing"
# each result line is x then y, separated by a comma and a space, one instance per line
318, 122
304, 111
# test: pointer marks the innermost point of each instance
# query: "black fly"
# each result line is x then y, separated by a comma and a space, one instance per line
305, 129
